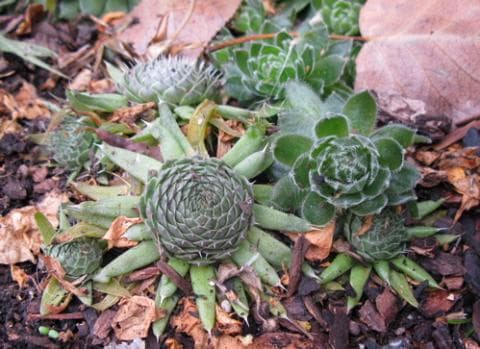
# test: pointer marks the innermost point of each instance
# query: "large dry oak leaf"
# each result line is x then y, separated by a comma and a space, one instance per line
427, 50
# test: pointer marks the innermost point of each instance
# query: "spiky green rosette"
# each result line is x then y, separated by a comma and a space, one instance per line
340, 16
383, 241
174, 80
197, 209
69, 143
78, 257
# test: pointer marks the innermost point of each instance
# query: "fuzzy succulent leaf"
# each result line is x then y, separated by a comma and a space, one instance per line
174, 80
70, 143
385, 239
78, 257
198, 210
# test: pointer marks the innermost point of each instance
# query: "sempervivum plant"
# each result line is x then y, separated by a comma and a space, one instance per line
342, 163
174, 80
379, 240
260, 70
341, 16
199, 214
69, 143
211, 205
78, 257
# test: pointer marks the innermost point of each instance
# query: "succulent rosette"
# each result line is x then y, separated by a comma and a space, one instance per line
69, 143
174, 80
380, 240
385, 239
78, 257
259, 70
341, 16
343, 164
198, 209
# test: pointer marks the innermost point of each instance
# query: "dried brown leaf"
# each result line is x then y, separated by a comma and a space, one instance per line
19, 275
320, 240
20, 238
423, 50
119, 226
187, 321
225, 324
176, 26
133, 318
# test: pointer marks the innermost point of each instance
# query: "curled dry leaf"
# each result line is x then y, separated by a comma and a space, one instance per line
119, 226
320, 240
130, 114
180, 26
225, 324
20, 238
423, 51
133, 318
187, 321
19, 275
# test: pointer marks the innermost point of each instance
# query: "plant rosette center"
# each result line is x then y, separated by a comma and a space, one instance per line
197, 209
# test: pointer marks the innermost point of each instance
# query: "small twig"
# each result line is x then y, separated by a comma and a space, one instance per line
266, 36
180, 281
67, 316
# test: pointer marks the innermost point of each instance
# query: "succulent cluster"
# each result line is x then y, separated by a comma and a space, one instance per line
174, 80
341, 16
198, 209
337, 168
384, 240
78, 257
259, 70
69, 143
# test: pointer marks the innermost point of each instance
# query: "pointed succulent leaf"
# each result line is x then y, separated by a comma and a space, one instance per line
402, 134
106, 102
361, 109
391, 153
336, 125
287, 148
316, 210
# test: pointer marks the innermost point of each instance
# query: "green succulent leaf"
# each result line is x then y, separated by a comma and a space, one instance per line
327, 71
404, 135
391, 153
301, 170
336, 125
372, 206
404, 180
288, 148
286, 195
316, 210
361, 109
341, 16
85, 102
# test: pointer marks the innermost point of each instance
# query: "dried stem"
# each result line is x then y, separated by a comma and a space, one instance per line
266, 36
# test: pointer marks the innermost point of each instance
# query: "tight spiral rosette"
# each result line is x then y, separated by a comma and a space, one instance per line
197, 209
384, 240
174, 80
78, 257
69, 143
